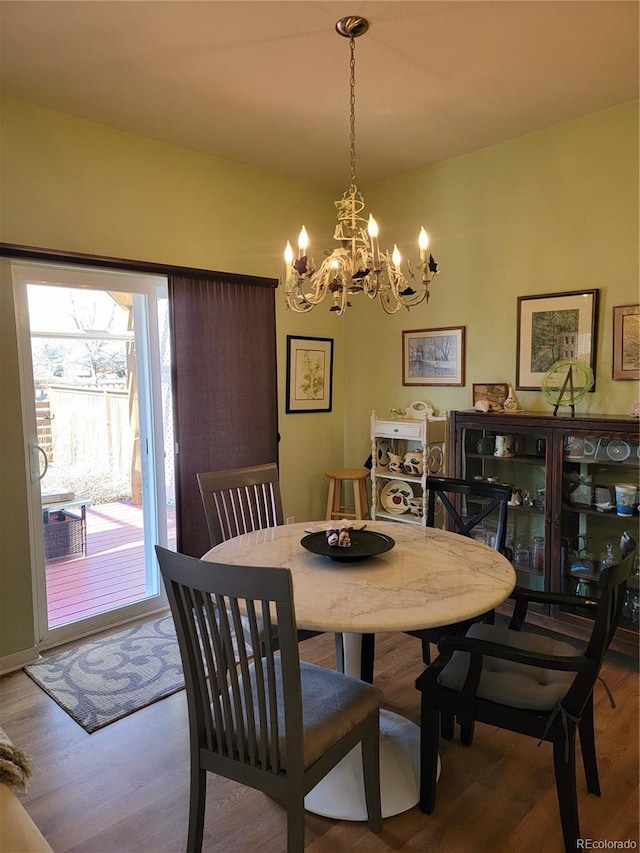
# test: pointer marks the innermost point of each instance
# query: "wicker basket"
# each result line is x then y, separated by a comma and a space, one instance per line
62, 534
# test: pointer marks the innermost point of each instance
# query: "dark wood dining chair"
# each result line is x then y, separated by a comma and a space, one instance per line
273, 723
528, 683
445, 505
241, 500
464, 505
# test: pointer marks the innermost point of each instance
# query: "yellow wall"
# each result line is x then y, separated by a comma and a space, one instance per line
553, 211
74, 185
548, 212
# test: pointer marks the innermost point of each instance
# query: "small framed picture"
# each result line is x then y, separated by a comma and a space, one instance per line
551, 327
309, 374
495, 393
626, 342
433, 356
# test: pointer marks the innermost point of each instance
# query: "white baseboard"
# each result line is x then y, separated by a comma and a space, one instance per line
10, 663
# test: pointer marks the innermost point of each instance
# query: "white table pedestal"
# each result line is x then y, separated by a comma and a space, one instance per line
340, 794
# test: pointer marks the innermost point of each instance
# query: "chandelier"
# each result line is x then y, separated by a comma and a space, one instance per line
356, 265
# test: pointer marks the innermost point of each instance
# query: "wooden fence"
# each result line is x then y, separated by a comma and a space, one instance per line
88, 426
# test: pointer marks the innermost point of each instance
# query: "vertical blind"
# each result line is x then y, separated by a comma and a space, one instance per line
224, 378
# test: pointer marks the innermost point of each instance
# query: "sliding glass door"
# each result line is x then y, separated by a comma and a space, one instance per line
97, 403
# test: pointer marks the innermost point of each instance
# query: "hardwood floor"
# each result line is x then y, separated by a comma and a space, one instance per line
124, 788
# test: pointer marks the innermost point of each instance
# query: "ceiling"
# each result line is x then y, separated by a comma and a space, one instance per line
267, 83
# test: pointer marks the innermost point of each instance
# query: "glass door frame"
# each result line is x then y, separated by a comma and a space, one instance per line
145, 288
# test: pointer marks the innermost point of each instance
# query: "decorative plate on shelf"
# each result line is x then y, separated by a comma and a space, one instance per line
418, 409
382, 453
396, 496
618, 450
364, 543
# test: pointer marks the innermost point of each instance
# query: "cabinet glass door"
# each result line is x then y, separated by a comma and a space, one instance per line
599, 502
519, 460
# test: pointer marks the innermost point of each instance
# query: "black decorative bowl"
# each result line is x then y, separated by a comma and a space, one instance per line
364, 544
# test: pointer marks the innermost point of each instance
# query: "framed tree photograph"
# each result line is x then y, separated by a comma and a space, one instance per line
626, 342
551, 327
433, 356
309, 374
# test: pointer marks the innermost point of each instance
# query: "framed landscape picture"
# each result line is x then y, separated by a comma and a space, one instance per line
551, 327
309, 374
626, 342
495, 393
433, 356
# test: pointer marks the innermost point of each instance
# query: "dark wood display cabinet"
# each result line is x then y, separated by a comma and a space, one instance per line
563, 523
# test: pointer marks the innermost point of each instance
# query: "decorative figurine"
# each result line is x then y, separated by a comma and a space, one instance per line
344, 539
332, 537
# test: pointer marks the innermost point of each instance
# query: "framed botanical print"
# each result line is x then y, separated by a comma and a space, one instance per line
551, 327
309, 374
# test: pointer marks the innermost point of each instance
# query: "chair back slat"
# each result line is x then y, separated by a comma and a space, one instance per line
447, 492
240, 500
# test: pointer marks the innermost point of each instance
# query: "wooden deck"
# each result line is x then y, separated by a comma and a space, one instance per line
113, 572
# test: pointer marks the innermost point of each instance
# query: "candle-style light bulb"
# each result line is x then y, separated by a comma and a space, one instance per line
288, 254
423, 243
396, 258
372, 228
303, 242
288, 260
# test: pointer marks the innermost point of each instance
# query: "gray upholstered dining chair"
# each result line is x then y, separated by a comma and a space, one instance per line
526, 682
273, 723
241, 500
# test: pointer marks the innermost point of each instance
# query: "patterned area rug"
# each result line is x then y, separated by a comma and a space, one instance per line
104, 680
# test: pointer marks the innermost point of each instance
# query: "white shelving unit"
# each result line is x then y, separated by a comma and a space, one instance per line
420, 435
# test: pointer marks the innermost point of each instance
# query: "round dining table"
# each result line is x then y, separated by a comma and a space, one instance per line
430, 577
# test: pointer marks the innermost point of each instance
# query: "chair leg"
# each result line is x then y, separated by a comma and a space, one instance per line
466, 734
588, 749
361, 499
426, 652
446, 725
295, 826
565, 773
429, 740
339, 653
371, 774
367, 657
197, 797
331, 498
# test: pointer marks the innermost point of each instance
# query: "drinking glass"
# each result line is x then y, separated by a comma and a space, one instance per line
537, 553
521, 555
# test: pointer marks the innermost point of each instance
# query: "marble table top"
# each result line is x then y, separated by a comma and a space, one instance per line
431, 577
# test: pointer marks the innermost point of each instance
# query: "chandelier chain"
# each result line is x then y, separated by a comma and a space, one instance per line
352, 102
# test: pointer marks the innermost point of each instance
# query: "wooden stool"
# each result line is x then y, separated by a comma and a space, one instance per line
335, 507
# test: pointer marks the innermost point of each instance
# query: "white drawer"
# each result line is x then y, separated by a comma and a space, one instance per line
398, 429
